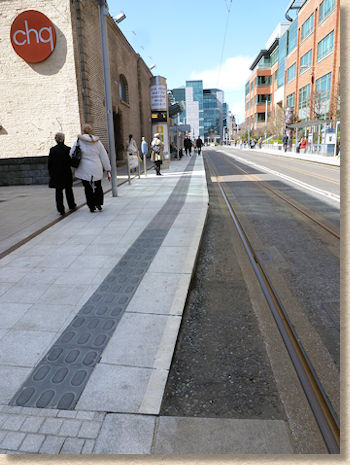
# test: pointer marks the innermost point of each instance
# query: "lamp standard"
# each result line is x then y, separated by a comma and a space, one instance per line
103, 11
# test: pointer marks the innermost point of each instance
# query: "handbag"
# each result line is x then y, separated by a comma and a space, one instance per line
156, 148
76, 156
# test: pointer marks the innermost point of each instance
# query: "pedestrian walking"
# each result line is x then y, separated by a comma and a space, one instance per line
144, 148
260, 142
303, 145
133, 153
157, 154
60, 172
94, 160
188, 146
285, 142
252, 143
199, 144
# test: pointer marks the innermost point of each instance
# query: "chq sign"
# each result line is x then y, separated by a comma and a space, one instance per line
33, 36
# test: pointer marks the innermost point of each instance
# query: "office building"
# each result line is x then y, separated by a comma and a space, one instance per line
298, 68
55, 83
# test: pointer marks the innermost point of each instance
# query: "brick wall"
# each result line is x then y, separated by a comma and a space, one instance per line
37, 99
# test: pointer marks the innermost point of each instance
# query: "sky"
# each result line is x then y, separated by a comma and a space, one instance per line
186, 40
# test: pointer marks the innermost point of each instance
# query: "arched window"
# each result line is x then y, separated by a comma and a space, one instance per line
123, 89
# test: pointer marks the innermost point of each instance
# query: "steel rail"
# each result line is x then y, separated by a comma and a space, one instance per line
321, 407
290, 202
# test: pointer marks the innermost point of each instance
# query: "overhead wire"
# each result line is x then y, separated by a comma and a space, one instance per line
228, 4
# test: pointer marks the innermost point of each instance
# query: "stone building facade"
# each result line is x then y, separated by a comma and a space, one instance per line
66, 90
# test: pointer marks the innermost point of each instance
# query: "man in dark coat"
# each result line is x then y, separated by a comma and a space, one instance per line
199, 144
60, 172
188, 146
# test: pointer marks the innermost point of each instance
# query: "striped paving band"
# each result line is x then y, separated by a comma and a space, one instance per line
61, 376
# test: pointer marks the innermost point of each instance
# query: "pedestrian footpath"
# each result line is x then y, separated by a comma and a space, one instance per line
327, 160
90, 312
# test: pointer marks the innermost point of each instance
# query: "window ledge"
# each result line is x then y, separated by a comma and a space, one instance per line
328, 54
326, 17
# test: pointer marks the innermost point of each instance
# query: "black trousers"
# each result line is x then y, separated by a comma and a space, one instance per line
199, 150
157, 166
93, 193
69, 197
188, 150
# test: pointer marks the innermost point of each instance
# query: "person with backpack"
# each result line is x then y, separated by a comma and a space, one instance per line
157, 154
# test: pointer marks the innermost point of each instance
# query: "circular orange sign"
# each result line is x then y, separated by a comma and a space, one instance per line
33, 36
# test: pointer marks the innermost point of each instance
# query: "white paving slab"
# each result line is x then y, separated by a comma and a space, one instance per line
11, 377
126, 434
113, 388
157, 292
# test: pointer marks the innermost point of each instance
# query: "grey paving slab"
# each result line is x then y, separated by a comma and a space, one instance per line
136, 348
70, 428
12, 440
24, 293
43, 317
24, 348
52, 445
32, 443
41, 275
72, 446
171, 260
89, 429
13, 422
51, 426
32, 424
157, 293
126, 434
114, 388
88, 334
219, 436
11, 275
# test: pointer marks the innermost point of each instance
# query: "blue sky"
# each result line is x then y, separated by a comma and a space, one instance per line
184, 38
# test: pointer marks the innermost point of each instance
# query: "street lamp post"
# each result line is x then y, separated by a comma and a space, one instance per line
102, 4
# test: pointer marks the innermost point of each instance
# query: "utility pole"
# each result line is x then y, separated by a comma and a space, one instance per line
102, 5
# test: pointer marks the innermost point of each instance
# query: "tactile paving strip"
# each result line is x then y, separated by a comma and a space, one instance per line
61, 376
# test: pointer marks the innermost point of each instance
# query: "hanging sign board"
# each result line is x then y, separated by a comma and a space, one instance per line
33, 36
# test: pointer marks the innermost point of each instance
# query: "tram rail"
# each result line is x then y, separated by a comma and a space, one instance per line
321, 407
290, 202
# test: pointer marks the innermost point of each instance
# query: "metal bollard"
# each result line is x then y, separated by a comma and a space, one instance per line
145, 163
127, 160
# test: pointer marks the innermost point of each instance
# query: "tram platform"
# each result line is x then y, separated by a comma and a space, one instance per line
90, 313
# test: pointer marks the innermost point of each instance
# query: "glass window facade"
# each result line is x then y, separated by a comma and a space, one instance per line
274, 56
251, 86
282, 53
291, 73
293, 36
326, 8
304, 95
197, 87
323, 86
325, 46
262, 98
213, 112
247, 88
291, 100
305, 62
260, 117
180, 96
263, 80
307, 27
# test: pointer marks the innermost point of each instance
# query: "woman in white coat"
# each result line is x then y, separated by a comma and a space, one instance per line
94, 160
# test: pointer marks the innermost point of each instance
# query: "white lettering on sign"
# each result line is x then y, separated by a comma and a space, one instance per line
38, 35
158, 97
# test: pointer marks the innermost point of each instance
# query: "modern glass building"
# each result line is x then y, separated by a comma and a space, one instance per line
205, 110
179, 96
196, 95
213, 100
